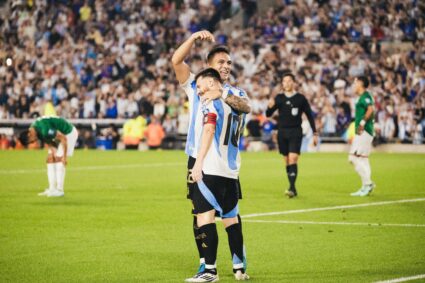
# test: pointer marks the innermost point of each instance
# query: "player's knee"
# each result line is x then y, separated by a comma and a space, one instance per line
205, 218
230, 221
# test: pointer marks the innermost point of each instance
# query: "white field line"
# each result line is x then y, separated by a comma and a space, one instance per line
403, 279
332, 207
100, 167
334, 223
105, 167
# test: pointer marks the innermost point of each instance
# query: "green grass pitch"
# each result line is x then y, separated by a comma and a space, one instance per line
125, 218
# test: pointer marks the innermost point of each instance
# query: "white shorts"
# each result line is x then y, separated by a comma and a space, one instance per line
71, 139
362, 145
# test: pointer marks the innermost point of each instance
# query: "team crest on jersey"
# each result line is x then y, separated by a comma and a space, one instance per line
51, 132
294, 111
367, 100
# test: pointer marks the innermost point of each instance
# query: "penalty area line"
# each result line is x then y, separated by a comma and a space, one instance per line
332, 207
403, 279
334, 223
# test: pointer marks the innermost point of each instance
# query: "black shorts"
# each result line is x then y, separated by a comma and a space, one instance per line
191, 185
289, 140
219, 193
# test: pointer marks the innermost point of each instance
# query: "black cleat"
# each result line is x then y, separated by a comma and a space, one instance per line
291, 193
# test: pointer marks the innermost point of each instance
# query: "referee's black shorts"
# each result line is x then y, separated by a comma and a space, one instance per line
289, 140
192, 185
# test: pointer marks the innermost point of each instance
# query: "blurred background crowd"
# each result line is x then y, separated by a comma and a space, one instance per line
98, 59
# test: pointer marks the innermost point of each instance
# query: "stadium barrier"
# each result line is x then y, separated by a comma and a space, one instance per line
177, 141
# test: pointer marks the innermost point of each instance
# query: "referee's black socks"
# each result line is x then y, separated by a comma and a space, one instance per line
209, 245
292, 172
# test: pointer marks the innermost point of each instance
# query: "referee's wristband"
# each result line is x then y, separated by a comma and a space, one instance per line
362, 123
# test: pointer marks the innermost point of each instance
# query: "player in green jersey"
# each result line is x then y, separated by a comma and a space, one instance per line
61, 137
362, 142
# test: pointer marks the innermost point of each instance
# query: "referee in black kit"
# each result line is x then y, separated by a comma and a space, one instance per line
291, 105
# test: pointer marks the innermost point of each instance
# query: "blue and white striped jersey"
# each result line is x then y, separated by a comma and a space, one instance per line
196, 116
223, 157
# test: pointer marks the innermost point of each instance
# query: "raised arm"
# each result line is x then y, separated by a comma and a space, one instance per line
181, 69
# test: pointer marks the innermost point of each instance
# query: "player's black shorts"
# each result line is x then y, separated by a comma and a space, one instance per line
219, 193
191, 185
289, 140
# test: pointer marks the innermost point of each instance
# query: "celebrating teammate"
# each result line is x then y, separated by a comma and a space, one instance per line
219, 59
362, 142
216, 172
291, 105
61, 137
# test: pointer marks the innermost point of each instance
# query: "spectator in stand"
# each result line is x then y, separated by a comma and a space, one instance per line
93, 60
154, 133
134, 131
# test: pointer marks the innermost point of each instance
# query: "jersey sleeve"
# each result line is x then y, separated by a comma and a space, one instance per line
309, 113
48, 134
270, 111
367, 101
210, 113
189, 86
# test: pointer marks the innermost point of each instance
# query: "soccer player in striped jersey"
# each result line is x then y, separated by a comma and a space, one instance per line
61, 137
219, 59
216, 172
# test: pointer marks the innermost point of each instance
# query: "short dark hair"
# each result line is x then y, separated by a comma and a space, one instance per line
364, 80
209, 72
217, 49
288, 74
23, 137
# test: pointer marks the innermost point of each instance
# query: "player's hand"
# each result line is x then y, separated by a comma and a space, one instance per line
64, 161
197, 172
360, 130
204, 35
271, 103
210, 96
315, 140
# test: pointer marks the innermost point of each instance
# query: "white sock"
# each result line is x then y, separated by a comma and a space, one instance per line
360, 169
367, 171
60, 176
51, 176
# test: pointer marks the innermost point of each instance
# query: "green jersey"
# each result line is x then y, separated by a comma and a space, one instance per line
47, 128
365, 100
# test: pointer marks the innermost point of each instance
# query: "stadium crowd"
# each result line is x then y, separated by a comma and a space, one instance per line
111, 59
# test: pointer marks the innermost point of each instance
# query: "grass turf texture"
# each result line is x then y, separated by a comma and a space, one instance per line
125, 218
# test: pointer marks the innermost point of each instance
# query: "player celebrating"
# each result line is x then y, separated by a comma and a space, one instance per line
291, 105
362, 142
219, 59
216, 172
61, 137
